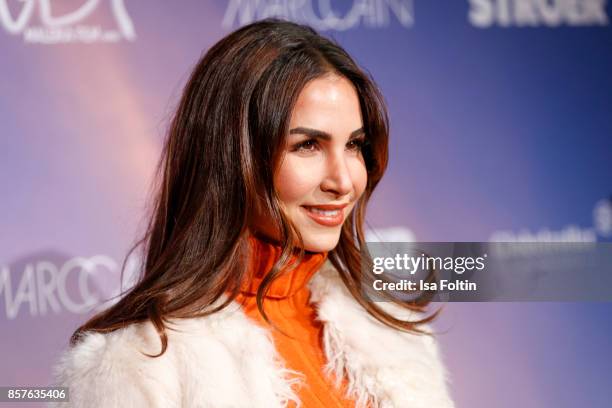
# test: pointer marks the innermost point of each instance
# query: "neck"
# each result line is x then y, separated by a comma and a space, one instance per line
264, 253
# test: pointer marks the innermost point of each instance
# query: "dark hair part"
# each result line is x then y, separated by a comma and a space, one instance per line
217, 165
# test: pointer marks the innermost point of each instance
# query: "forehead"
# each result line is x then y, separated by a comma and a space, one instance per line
327, 102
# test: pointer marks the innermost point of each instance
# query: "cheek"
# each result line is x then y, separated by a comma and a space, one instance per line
295, 180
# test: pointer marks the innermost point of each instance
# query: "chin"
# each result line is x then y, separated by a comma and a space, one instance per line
321, 242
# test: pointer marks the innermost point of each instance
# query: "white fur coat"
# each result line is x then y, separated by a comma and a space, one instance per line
226, 360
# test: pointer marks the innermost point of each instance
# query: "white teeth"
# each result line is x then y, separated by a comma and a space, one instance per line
326, 213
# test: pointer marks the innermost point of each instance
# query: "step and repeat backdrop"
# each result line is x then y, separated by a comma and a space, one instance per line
501, 130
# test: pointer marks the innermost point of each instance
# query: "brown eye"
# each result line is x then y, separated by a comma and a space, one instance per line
309, 145
356, 144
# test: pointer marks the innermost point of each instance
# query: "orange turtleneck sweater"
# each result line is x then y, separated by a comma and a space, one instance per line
287, 306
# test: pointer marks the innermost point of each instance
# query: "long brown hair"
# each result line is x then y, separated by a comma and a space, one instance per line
218, 163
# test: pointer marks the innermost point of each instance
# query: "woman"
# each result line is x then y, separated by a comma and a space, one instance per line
250, 292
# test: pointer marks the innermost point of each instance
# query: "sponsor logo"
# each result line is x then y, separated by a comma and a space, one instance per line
602, 228
602, 218
390, 234
41, 285
75, 26
321, 14
536, 13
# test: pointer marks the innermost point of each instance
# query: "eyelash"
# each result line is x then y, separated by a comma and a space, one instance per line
359, 143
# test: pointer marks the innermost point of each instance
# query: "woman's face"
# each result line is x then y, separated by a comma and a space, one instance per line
322, 171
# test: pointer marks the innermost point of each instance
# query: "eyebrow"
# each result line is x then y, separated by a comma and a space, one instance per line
319, 134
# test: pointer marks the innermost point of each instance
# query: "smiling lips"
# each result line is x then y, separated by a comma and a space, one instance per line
329, 215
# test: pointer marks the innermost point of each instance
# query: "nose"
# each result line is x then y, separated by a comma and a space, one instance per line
337, 179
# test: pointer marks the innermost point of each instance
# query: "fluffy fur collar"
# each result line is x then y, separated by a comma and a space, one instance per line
226, 360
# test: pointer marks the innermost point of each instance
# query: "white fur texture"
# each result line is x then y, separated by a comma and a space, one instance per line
227, 361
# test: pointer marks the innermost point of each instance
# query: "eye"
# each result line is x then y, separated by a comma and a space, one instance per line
309, 145
356, 144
